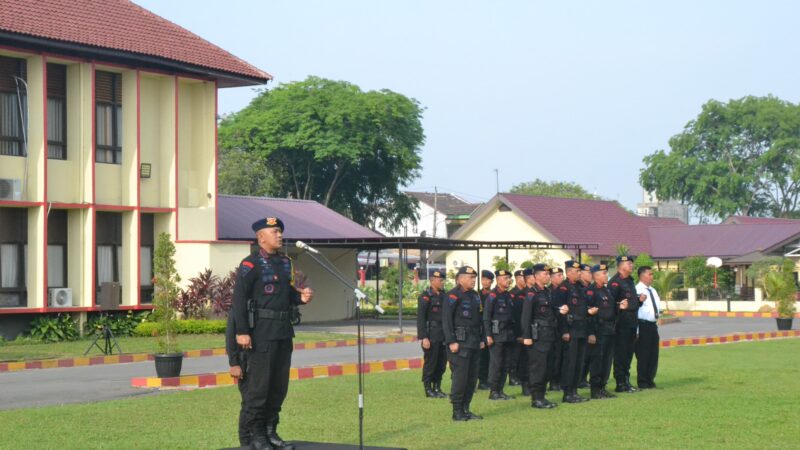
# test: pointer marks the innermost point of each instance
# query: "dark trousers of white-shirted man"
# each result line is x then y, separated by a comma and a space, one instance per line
648, 343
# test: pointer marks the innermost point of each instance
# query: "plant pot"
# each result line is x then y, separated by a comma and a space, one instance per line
168, 365
784, 323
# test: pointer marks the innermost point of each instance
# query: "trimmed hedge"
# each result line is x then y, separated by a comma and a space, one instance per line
190, 326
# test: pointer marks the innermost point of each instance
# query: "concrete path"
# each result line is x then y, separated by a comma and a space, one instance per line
34, 388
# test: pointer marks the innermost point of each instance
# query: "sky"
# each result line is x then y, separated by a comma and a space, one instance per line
562, 91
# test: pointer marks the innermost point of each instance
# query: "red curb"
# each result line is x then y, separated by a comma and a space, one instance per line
3, 367
415, 363
125, 358
305, 372
334, 371
390, 365
97, 360
207, 380
66, 362
170, 382
33, 365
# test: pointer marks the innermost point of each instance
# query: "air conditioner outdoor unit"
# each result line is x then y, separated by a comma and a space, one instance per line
60, 298
10, 189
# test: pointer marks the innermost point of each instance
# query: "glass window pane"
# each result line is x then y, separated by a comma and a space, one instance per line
55, 266
105, 264
146, 266
9, 264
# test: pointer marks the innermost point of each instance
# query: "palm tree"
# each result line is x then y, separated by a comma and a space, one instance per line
665, 282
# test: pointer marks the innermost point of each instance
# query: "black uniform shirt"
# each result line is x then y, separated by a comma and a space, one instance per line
621, 289
539, 307
429, 315
269, 280
498, 307
462, 310
605, 319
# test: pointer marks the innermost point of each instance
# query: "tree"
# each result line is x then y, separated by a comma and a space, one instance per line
563, 189
740, 157
166, 291
327, 141
665, 282
642, 259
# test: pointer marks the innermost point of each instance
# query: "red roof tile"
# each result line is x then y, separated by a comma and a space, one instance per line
303, 219
119, 25
723, 240
587, 221
748, 220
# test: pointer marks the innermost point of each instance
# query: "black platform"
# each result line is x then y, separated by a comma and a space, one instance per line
303, 445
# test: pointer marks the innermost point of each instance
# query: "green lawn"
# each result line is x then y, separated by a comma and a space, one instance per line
742, 395
18, 351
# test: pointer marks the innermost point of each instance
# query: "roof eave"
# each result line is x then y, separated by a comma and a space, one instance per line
224, 78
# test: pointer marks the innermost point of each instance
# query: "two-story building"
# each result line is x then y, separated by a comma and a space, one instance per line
107, 138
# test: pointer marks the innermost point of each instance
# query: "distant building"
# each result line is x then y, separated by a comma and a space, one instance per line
651, 206
439, 215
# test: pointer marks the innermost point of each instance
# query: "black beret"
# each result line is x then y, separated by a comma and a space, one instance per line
540, 268
586, 267
555, 270
502, 273
519, 273
438, 274
599, 268
573, 264
269, 222
624, 258
487, 274
528, 271
466, 270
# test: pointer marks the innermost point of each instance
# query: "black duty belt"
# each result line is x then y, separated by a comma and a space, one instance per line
545, 323
271, 314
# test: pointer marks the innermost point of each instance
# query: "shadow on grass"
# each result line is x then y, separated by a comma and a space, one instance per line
688, 381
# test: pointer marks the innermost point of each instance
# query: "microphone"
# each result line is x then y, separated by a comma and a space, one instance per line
302, 245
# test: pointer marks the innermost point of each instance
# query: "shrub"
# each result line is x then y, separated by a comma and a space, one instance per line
54, 328
121, 324
183, 327
166, 290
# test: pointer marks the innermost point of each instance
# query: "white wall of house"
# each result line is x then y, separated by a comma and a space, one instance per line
424, 224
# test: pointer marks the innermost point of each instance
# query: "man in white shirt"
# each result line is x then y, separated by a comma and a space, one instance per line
648, 342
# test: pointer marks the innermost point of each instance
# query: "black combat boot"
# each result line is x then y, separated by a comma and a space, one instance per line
578, 397
471, 415
597, 393
495, 395
260, 442
540, 402
526, 390
483, 386
272, 435
429, 392
629, 386
458, 413
555, 386
504, 396
513, 381
583, 384
605, 394
437, 389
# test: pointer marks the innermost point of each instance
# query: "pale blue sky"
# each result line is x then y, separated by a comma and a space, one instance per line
576, 91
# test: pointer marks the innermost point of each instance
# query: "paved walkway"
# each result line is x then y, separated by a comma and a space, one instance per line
96, 383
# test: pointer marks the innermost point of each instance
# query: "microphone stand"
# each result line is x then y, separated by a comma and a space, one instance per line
360, 297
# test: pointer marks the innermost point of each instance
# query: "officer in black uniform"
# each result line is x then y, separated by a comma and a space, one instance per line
517, 371
431, 334
237, 361
265, 280
487, 277
464, 336
623, 292
586, 280
539, 328
604, 323
554, 362
498, 322
573, 330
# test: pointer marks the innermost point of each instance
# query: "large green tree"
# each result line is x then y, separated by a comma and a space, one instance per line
327, 141
740, 157
564, 189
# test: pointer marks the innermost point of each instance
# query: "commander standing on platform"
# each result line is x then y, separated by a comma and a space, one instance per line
263, 300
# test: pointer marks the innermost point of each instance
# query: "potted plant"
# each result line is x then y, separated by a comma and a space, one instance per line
780, 286
165, 282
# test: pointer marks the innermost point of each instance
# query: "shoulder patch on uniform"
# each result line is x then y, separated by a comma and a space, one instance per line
493, 295
245, 267
563, 288
426, 298
589, 292
615, 284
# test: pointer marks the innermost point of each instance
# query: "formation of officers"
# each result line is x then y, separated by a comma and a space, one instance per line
553, 327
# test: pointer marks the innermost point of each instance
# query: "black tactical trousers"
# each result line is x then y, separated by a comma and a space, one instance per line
623, 354
647, 353
600, 360
464, 369
499, 354
537, 366
268, 383
483, 368
554, 364
522, 362
573, 360
434, 362
244, 431
585, 366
